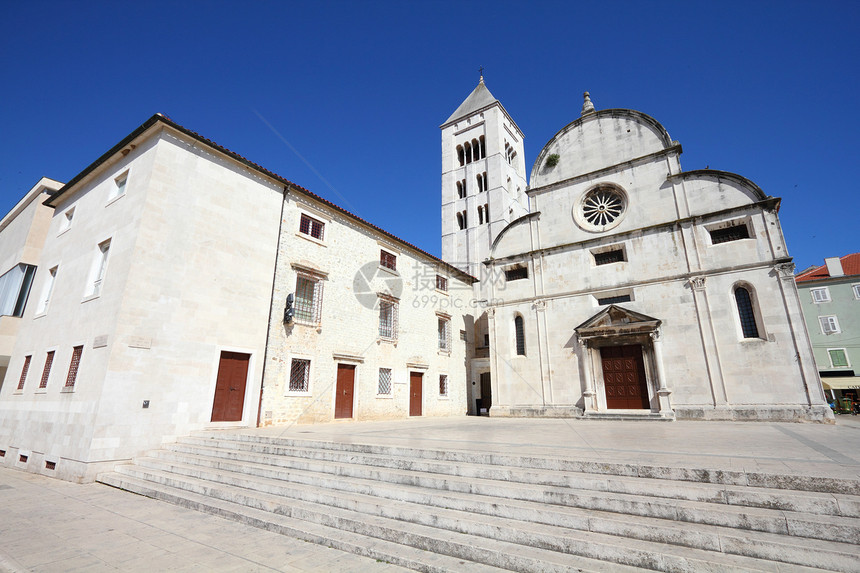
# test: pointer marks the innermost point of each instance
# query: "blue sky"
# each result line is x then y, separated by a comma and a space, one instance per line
345, 98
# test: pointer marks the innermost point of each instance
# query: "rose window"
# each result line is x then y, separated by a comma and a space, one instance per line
602, 206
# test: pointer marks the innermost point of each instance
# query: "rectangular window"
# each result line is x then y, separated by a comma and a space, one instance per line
99, 268
829, 324
24, 371
15, 289
441, 283
463, 335
856, 289
384, 381
73, 366
614, 299
387, 319
820, 294
608, 257
46, 291
300, 371
66, 223
308, 303
388, 260
46, 372
517, 273
838, 358
119, 186
443, 384
726, 234
444, 334
312, 227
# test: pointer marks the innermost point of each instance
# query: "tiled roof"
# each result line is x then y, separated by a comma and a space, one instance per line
158, 117
850, 266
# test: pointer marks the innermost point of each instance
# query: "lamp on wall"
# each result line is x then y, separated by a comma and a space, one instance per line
288, 310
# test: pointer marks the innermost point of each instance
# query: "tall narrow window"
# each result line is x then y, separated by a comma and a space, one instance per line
300, 371
480, 179
483, 144
15, 289
313, 227
444, 334
460, 223
460, 155
388, 319
486, 181
73, 366
746, 313
119, 186
441, 283
46, 291
308, 303
460, 192
46, 372
520, 335
66, 222
384, 387
24, 371
480, 215
388, 260
468, 148
486, 213
465, 220
99, 268
443, 384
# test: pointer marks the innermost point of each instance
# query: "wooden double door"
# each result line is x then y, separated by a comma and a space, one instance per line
624, 377
230, 384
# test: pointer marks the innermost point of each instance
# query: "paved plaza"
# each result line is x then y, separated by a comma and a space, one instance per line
50, 525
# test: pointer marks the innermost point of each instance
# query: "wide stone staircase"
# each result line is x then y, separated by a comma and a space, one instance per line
433, 510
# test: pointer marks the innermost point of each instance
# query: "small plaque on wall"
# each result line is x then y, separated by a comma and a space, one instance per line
100, 341
140, 342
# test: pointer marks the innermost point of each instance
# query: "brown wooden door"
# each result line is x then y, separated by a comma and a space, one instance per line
415, 382
230, 387
624, 377
344, 391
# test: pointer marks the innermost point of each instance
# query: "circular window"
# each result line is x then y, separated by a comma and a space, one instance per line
601, 208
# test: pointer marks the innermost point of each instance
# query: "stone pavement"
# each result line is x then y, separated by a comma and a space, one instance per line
50, 525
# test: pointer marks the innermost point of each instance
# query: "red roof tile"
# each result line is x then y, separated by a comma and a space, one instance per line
850, 266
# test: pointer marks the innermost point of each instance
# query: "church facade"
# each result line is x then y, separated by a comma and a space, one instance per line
629, 288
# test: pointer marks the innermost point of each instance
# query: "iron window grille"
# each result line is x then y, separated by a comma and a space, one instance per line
388, 260
746, 313
520, 335
444, 334
384, 381
300, 371
46, 373
517, 274
614, 299
441, 283
73, 366
308, 299
313, 227
726, 234
24, 371
388, 319
608, 257
443, 384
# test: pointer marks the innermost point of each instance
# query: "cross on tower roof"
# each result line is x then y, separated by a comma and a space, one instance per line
481, 71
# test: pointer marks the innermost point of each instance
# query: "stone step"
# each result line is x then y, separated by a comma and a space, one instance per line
361, 465
426, 552
793, 482
518, 529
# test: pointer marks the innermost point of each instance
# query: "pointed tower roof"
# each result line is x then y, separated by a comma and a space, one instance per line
479, 99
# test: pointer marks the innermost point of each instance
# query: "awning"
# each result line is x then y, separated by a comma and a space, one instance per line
852, 383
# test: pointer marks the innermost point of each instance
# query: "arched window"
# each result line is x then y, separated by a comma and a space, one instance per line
480, 215
476, 150
486, 213
465, 220
486, 181
460, 221
468, 147
460, 155
483, 147
480, 182
520, 335
460, 193
746, 313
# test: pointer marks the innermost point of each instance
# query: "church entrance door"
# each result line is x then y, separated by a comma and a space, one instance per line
230, 387
344, 391
624, 377
415, 393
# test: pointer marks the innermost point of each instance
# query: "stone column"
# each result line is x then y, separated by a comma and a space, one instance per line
663, 391
589, 395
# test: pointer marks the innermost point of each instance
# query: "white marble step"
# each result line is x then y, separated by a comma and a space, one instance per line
383, 483
750, 544
422, 549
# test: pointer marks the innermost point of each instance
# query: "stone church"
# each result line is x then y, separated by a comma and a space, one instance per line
615, 284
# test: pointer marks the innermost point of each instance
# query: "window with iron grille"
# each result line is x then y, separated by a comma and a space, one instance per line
308, 300
463, 335
443, 384
444, 334
24, 371
300, 371
313, 227
829, 324
387, 319
517, 274
384, 381
614, 299
605, 258
441, 283
820, 294
46, 373
838, 358
520, 335
388, 260
73, 366
726, 234
746, 313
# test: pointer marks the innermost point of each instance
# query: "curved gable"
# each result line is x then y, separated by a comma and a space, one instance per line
706, 188
514, 238
597, 140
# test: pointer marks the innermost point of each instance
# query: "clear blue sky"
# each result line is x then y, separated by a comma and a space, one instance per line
768, 90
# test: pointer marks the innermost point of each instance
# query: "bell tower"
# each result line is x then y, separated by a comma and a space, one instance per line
483, 178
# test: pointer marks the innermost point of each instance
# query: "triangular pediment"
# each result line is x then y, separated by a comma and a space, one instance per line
617, 320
